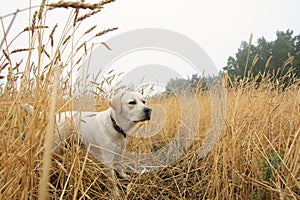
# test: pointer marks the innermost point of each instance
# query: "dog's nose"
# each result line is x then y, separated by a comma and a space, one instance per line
147, 113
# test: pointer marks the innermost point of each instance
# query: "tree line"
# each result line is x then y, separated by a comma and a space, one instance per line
277, 60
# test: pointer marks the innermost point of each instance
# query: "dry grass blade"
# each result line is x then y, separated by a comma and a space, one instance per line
43, 191
45, 52
77, 5
9, 27
51, 35
33, 23
17, 65
105, 31
78, 61
90, 30
21, 50
81, 18
248, 54
66, 40
82, 45
289, 61
3, 66
107, 2
76, 16
41, 10
6, 55
34, 28
103, 43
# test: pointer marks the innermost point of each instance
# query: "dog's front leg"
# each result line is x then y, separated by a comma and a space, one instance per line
109, 157
115, 190
121, 165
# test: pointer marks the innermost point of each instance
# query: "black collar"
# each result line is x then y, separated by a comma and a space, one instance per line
116, 127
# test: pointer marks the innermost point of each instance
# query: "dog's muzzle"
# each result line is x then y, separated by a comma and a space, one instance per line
147, 113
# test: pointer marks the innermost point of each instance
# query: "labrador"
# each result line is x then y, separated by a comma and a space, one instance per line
104, 133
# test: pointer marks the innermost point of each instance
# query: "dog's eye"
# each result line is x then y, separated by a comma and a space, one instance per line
132, 102
144, 102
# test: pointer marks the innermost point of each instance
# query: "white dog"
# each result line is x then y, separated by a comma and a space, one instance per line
105, 132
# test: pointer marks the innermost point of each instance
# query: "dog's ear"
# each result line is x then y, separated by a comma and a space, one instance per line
116, 102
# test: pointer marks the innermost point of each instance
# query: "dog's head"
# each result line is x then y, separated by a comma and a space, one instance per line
131, 106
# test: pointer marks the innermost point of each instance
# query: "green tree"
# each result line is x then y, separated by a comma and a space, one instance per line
193, 84
267, 57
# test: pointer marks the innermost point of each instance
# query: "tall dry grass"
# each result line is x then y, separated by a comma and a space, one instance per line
256, 157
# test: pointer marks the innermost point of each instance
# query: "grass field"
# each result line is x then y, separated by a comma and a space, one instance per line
256, 155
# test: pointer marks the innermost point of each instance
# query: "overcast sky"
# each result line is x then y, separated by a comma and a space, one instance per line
218, 26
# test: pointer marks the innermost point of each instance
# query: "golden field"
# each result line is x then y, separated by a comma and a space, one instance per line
256, 155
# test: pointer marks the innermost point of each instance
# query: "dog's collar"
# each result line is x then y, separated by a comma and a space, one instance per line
116, 127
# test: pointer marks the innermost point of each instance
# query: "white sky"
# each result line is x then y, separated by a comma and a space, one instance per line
218, 26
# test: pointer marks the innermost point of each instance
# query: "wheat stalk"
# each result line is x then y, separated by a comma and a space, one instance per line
51, 35
79, 5
21, 50
34, 28
81, 18
105, 31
